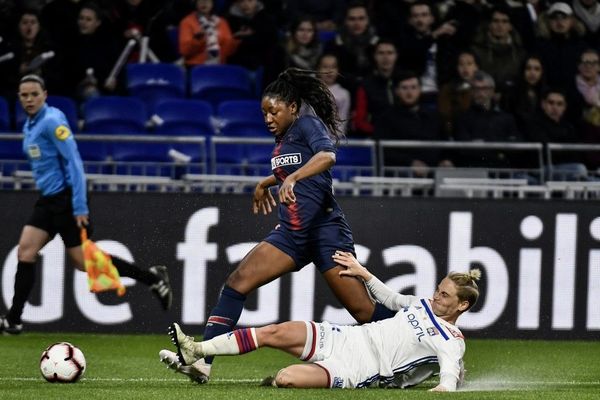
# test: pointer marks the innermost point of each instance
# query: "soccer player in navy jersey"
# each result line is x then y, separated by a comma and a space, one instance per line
311, 225
62, 207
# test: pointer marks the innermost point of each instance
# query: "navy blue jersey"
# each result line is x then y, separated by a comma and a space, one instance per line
315, 203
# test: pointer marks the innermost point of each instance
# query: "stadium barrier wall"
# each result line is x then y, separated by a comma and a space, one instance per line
540, 262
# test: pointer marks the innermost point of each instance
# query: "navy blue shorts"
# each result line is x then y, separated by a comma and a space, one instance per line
54, 214
317, 244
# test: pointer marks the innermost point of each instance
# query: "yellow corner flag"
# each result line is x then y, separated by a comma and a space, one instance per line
102, 274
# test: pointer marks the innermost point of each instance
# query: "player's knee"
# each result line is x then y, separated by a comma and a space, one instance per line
26, 253
285, 379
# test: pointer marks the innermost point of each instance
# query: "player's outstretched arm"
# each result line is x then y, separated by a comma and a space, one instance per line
382, 293
318, 163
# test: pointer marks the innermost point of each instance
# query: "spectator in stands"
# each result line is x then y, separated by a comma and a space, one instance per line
327, 13
587, 98
499, 49
205, 38
353, 44
35, 53
466, 16
548, 125
93, 55
423, 47
525, 96
485, 122
303, 49
256, 31
376, 92
588, 11
407, 120
328, 70
454, 97
560, 43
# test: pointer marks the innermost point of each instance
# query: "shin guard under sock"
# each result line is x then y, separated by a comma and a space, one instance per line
225, 315
24, 281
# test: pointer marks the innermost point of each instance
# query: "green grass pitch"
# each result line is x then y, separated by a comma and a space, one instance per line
127, 367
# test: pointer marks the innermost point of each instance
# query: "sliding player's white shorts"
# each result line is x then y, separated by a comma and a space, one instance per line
343, 352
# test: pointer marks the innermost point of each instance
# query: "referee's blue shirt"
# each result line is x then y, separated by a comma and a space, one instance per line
55, 160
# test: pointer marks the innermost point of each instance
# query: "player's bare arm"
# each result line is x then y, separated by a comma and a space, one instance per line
318, 163
354, 268
263, 200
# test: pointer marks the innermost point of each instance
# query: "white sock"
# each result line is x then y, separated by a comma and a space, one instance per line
239, 341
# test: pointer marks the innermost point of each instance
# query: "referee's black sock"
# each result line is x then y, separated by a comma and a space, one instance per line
133, 271
24, 281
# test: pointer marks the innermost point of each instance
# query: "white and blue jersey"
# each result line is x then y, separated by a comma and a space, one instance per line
55, 161
357, 356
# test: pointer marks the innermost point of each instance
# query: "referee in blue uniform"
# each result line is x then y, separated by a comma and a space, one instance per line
62, 207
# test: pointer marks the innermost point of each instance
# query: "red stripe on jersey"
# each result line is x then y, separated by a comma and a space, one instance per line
295, 222
313, 345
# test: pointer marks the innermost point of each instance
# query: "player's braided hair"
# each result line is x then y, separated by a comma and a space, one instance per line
296, 85
466, 285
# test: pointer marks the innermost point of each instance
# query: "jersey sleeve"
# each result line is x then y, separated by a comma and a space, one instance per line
60, 133
316, 134
386, 296
450, 361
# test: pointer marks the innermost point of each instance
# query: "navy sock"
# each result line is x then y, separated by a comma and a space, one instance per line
133, 271
24, 281
225, 315
381, 312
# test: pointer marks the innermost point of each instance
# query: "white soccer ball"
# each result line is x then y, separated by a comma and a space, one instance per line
62, 362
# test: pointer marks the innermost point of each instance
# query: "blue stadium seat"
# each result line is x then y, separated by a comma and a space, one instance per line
153, 82
353, 161
184, 117
217, 83
4, 115
65, 104
242, 118
114, 115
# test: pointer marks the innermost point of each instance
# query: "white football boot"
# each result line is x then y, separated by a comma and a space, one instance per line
198, 372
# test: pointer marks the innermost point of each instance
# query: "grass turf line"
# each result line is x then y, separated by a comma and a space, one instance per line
127, 367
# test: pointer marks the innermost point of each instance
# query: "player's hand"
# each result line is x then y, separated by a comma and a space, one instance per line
263, 200
354, 268
439, 388
82, 221
286, 191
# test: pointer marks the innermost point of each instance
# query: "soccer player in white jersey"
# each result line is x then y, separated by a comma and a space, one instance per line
422, 333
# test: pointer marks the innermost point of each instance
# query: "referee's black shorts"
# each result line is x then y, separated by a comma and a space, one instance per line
54, 214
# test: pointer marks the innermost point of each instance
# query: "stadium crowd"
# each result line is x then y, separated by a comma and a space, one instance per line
464, 70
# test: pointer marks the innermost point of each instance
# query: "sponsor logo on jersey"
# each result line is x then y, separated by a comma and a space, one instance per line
432, 331
414, 322
34, 151
285, 160
62, 132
